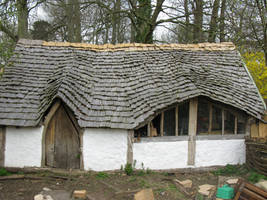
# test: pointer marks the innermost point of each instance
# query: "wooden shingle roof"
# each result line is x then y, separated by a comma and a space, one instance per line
120, 86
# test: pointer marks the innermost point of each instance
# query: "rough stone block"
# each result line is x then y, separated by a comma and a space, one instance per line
38, 197
206, 189
186, 183
79, 194
146, 194
232, 181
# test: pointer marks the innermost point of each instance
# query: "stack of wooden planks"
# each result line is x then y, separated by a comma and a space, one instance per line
247, 191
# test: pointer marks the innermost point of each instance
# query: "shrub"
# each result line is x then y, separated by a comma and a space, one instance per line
102, 175
4, 172
254, 177
128, 169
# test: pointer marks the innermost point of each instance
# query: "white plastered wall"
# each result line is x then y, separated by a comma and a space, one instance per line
23, 147
161, 155
104, 149
220, 152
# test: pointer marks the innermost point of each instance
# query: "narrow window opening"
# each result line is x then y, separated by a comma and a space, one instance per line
202, 117
155, 126
169, 122
216, 121
141, 132
241, 124
183, 113
229, 123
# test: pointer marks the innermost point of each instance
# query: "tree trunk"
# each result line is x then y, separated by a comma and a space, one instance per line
143, 13
187, 23
213, 21
22, 14
222, 21
73, 14
115, 21
133, 21
198, 21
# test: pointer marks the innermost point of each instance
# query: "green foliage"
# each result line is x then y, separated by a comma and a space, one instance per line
144, 184
102, 175
254, 177
141, 173
42, 30
4, 172
200, 197
172, 187
231, 170
256, 64
128, 169
6, 51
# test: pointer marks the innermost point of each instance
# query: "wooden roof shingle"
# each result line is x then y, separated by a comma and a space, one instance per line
121, 86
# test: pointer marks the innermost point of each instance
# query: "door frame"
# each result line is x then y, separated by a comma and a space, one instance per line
55, 106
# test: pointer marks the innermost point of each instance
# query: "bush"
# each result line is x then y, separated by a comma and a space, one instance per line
254, 177
4, 172
128, 169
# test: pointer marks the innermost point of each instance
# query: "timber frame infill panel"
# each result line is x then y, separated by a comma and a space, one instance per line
55, 106
2, 145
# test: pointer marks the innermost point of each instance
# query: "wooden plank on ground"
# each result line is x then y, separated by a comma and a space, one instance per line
245, 190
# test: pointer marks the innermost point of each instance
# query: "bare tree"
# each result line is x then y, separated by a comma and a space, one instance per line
214, 21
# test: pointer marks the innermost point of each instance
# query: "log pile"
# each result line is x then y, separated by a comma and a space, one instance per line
256, 153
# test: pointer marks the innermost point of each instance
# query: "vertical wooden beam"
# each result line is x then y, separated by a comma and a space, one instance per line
192, 130
210, 118
130, 137
149, 130
81, 149
2, 145
223, 121
162, 124
176, 120
235, 124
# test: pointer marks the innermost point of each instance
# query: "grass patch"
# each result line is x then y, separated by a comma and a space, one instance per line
255, 177
172, 187
102, 175
144, 184
132, 179
231, 170
4, 172
199, 197
141, 173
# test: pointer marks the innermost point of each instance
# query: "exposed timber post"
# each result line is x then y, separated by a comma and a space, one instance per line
192, 130
130, 137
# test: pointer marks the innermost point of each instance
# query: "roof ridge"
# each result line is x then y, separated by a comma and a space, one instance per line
224, 46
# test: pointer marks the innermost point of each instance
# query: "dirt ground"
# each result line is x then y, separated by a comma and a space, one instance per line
104, 186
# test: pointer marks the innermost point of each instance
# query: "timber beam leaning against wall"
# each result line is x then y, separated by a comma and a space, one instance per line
2, 145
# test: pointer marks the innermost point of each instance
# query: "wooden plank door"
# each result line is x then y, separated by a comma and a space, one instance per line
62, 142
